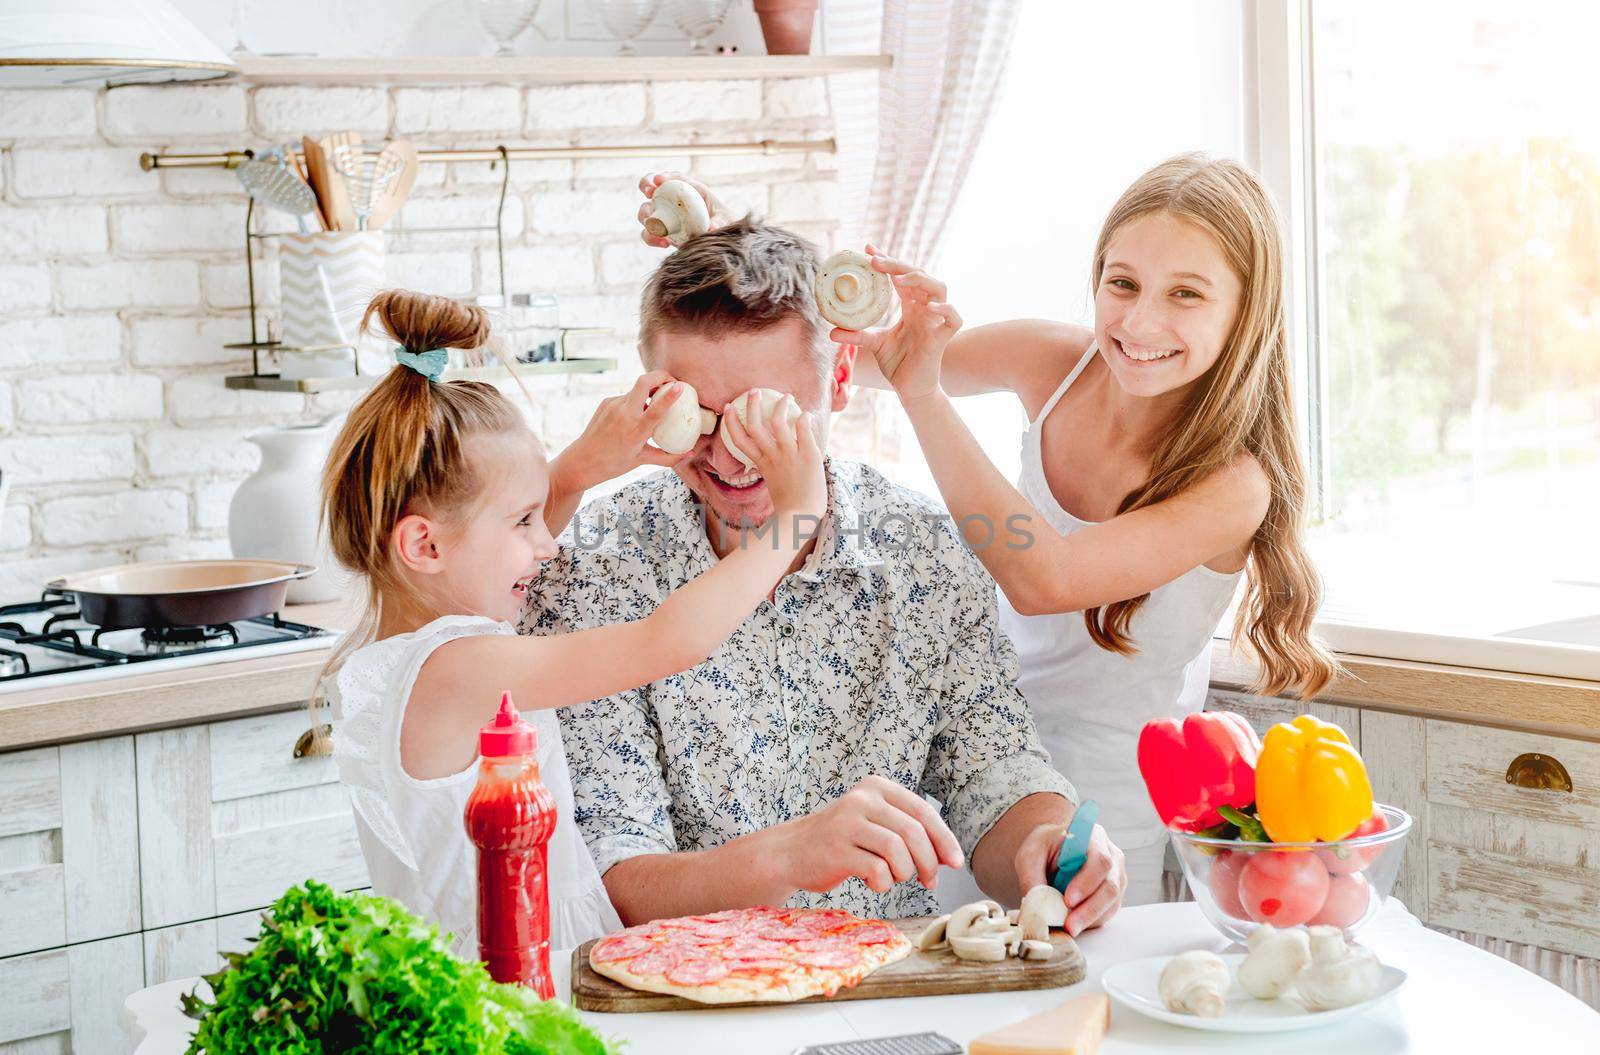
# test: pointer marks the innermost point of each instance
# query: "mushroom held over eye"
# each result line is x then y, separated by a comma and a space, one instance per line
685, 422
851, 293
770, 406
679, 213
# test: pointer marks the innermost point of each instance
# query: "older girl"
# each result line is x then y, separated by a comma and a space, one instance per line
1161, 465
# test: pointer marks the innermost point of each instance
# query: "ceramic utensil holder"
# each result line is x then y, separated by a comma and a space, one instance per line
326, 280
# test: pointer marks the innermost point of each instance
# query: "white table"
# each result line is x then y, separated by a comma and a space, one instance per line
1457, 999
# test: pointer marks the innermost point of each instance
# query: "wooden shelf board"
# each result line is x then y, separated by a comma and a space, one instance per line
311, 385
548, 69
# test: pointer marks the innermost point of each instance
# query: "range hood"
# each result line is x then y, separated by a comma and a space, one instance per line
94, 43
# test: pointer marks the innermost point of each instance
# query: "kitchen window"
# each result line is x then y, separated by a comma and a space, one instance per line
1442, 170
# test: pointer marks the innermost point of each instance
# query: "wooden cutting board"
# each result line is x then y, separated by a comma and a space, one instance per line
920, 974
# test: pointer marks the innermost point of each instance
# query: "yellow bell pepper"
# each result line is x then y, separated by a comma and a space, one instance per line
1311, 785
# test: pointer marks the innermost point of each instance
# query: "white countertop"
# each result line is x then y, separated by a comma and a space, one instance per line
1458, 999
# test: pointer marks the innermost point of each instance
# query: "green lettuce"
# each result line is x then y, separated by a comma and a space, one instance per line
360, 975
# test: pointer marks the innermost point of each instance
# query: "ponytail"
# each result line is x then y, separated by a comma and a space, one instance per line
402, 447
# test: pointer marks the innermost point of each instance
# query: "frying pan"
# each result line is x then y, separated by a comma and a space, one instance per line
180, 593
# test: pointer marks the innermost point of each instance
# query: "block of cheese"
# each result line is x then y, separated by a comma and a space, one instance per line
1074, 1028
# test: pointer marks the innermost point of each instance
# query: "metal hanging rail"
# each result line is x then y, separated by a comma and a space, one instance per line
234, 158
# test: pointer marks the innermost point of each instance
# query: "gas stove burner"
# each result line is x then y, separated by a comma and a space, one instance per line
12, 663
188, 635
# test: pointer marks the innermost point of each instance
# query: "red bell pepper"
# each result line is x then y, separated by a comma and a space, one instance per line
1192, 767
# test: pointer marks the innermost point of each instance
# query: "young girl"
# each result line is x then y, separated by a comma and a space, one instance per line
440, 497
1161, 463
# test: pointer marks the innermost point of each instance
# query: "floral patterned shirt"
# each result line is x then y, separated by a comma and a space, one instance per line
881, 655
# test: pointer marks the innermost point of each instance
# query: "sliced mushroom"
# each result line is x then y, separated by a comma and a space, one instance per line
964, 919
1013, 936
1043, 907
990, 949
1037, 950
678, 213
932, 936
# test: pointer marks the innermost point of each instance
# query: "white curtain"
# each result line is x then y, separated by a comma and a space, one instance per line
907, 136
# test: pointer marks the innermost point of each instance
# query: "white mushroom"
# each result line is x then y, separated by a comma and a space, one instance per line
977, 932
977, 914
931, 937
851, 293
1195, 983
1037, 950
1043, 907
985, 949
685, 422
1275, 958
775, 408
678, 213
1340, 974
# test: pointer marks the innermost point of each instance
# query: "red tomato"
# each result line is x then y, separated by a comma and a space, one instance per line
1344, 860
1224, 882
1346, 903
1283, 887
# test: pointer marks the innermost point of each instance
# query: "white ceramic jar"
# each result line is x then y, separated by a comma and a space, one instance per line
274, 512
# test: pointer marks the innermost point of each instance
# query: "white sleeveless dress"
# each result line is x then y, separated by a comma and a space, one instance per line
1090, 703
412, 833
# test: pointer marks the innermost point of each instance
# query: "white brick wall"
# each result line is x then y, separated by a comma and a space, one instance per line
118, 287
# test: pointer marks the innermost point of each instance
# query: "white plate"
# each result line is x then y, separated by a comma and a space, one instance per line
1134, 985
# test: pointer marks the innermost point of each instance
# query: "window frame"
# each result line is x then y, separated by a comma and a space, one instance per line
1279, 118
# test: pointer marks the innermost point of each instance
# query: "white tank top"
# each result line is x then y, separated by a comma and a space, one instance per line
1090, 703
412, 832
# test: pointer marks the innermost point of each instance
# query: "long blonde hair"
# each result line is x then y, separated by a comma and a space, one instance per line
402, 448
1243, 403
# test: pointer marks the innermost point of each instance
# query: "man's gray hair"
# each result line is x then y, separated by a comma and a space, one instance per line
741, 278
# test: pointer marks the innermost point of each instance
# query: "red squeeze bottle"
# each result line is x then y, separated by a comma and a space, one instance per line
510, 816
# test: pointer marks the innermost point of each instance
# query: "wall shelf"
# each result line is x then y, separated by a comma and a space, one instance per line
549, 69
312, 385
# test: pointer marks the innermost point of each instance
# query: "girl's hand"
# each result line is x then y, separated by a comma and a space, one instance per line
617, 437
911, 351
787, 456
720, 216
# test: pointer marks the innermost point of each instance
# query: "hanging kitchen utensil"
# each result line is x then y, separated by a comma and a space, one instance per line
272, 183
181, 593
365, 177
326, 182
403, 155
297, 162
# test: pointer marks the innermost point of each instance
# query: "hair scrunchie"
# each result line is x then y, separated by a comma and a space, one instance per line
429, 364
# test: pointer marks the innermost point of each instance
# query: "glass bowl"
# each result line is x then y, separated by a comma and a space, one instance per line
1241, 885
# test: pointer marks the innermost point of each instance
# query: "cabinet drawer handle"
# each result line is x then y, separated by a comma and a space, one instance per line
317, 741
1533, 770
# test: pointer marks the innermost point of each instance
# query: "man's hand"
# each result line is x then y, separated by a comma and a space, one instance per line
877, 830
720, 216
1095, 893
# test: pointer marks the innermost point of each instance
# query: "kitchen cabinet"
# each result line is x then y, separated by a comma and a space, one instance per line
132, 860
1512, 869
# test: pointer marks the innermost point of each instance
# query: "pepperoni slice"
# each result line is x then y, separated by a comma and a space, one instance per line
824, 944
779, 932
838, 956
698, 972
823, 920
756, 948
874, 933
755, 964
619, 947
657, 961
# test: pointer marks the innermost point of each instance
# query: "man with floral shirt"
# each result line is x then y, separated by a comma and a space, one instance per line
791, 766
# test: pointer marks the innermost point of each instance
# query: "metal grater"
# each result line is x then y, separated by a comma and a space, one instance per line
906, 1044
